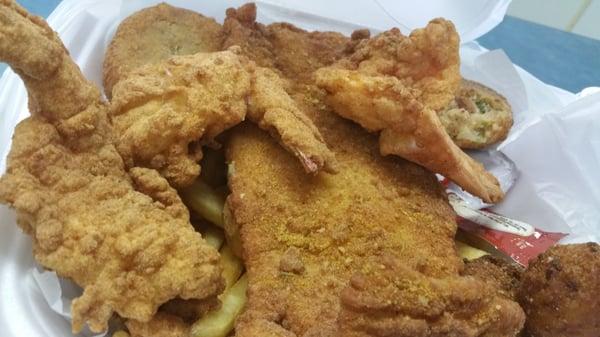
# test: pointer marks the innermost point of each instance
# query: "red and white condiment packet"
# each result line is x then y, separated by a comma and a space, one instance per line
500, 235
492, 232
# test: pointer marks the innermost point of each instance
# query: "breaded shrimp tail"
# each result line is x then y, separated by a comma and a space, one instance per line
122, 236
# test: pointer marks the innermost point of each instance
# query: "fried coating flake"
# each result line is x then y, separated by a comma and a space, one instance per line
164, 112
123, 236
393, 84
154, 34
559, 292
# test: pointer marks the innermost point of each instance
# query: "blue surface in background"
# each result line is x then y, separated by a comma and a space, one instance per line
563, 59
39, 7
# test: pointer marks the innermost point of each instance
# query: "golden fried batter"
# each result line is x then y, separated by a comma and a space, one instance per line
164, 112
124, 237
559, 292
154, 34
394, 84
305, 237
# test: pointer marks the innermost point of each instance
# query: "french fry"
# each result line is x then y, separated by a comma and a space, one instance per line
468, 252
120, 333
213, 235
219, 323
232, 266
205, 201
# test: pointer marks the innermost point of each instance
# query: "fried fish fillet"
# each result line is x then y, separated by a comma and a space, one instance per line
381, 228
123, 236
394, 85
305, 238
154, 34
164, 112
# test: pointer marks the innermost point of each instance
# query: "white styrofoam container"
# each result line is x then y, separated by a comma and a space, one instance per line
86, 26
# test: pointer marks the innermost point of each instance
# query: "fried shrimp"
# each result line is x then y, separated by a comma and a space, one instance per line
393, 84
163, 113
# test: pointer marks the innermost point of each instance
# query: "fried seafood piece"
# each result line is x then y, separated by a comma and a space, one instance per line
477, 117
304, 237
559, 292
154, 34
164, 112
394, 85
124, 237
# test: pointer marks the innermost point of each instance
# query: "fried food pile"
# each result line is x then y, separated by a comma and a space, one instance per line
314, 232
